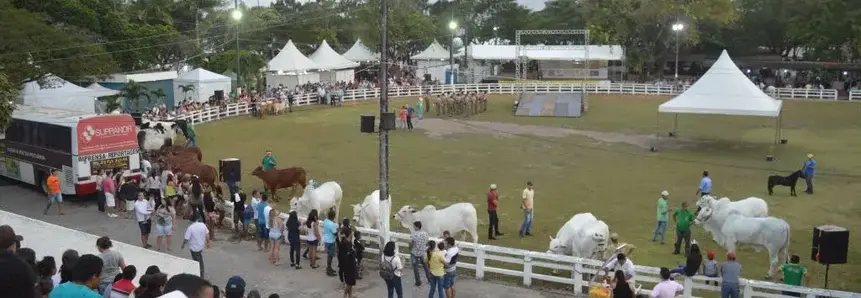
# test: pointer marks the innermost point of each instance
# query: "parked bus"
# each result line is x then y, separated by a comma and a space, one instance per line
41, 139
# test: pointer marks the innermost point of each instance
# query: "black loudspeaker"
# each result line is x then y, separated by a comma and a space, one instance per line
387, 121
830, 245
230, 169
138, 118
367, 124
219, 94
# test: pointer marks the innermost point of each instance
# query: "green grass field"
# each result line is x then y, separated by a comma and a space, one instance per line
592, 170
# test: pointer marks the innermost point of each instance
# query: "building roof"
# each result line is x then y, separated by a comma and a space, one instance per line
202, 75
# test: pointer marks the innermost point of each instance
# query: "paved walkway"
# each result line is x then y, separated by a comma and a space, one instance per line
226, 258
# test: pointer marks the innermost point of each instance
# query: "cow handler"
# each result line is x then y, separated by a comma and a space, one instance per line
268, 161
808, 170
492, 203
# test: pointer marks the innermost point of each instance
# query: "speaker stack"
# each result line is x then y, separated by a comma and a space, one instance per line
387, 121
230, 169
367, 124
219, 94
830, 246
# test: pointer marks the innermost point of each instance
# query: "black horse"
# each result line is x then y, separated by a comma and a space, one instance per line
790, 181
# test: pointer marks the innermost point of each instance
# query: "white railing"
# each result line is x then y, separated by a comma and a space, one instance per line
211, 114
531, 265
855, 95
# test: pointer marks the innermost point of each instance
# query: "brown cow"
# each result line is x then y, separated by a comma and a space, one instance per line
179, 150
207, 174
275, 179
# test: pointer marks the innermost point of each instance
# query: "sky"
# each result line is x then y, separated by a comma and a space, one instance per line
531, 4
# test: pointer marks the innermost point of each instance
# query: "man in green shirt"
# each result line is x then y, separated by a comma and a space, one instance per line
268, 161
190, 138
661, 227
793, 273
683, 218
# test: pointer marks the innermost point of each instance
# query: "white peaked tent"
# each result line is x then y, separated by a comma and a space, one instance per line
333, 66
291, 68
724, 90
206, 84
433, 61
359, 52
60, 94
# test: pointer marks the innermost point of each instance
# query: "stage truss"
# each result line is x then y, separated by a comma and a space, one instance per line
521, 65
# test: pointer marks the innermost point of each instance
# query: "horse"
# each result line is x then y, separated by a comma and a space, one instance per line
790, 181
275, 179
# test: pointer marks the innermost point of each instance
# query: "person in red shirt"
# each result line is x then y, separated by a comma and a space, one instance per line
492, 203
124, 287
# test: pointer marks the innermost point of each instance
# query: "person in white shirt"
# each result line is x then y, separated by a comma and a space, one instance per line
666, 288
197, 239
143, 211
146, 166
621, 263
451, 254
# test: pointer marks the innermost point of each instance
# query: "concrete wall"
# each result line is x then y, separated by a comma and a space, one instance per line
166, 85
52, 240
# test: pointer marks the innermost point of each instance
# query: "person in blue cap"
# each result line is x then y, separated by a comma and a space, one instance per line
235, 288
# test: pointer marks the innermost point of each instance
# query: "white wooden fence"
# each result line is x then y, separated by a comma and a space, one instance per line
855, 95
523, 264
211, 114
528, 262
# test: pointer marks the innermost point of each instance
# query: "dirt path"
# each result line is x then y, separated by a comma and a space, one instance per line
443, 127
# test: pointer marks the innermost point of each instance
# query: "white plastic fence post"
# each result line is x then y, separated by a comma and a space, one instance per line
479, 261
748, 291
577, 275
527, 269
689, 287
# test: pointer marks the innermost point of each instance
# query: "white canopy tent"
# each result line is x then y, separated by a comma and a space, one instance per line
291, 68
332, 66
359, 52
553, 52
434, 61
724, 90
60, 94
206, 84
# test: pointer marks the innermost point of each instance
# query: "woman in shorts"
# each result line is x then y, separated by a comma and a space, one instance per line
276, 233
313, 237
109, 187
165, 217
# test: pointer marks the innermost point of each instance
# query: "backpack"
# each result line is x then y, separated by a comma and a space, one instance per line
387, 269
162, 216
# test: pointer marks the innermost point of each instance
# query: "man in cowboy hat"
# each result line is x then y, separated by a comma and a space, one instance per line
661, 226
808, 170
268, 161
492, 203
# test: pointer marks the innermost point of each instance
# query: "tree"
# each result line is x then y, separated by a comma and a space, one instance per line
410, 31
159, 95
186, 89
8, 94
134, 91
250, 64
112, 103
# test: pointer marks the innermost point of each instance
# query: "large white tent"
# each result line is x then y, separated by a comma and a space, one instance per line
332, 66
291, 68
359, 52
61, 94
724, 90
434, 61
553, 52
204, 82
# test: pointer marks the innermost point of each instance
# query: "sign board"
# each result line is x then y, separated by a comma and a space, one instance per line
106, 133
109, 164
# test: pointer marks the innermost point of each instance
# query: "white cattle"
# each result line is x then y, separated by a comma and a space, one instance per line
460, 217
750, 207
327, 195
582, 236
770, 233
367, 213
153, 135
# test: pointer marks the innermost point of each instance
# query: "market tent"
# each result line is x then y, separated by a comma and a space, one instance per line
291, 60
333, 66
60, 94
435, 51
434, 61
206, 84
724, 90
359, 52
102, 90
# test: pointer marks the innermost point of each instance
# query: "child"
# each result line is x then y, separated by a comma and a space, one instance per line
403, 117
360, 250
710, 266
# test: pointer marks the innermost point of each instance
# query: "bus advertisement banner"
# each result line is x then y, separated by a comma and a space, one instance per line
106, 133
36, 155
109, 164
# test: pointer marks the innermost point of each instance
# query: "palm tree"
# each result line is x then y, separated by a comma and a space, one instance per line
185, 90
133, 91
159, 95
112, 103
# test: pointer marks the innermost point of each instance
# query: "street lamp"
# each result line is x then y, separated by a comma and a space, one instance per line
236, 14
453, 26
677, 27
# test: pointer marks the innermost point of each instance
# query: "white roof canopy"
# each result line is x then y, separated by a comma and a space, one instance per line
435, 51
723, 90
102, 90
202, 75
291, 60
555, 52
60, 94
328, 59
359, 52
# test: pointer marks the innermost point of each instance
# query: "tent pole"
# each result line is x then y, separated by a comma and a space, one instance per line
675, 124
657, 131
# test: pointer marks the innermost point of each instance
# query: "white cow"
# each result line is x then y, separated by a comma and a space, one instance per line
367, 213
327, 195
460, 217
750, 207
770, 233
582, 236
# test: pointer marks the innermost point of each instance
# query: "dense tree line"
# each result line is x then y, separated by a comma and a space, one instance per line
75, 39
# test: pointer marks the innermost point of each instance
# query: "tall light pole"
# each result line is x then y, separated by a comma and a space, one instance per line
495, 35
385, 203
453, 27
237, 16
677, 27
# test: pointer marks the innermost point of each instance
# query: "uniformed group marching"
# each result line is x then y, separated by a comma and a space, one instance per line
460, 104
